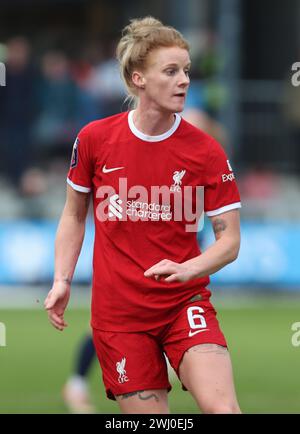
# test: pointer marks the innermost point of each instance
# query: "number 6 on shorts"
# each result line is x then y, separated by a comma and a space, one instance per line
193, 314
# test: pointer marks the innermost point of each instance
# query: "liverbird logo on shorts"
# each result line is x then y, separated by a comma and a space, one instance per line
120, 366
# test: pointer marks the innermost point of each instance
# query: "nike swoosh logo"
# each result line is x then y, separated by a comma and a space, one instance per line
105, 170
198, 331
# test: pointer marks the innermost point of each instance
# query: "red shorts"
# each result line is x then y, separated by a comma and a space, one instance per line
136, 361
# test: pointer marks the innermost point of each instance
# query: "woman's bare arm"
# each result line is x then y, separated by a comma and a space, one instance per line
224, 250
68, 243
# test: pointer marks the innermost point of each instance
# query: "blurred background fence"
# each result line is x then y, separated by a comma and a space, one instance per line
61, 74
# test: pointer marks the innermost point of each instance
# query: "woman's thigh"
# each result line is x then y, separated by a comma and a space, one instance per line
206, 371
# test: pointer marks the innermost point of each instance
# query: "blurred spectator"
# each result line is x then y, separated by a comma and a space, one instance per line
261, 191
88, 107
33, 186
206, 89
17, 109
292, 115
206, 123
57, 101
260, 183
106, 85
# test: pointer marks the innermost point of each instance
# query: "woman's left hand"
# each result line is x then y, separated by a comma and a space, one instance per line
171, 271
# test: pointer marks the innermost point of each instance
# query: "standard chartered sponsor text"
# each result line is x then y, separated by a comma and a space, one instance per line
151, 211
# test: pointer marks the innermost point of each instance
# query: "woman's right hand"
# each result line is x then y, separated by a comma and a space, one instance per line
56, 303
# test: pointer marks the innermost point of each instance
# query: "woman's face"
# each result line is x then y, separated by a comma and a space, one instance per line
166, 79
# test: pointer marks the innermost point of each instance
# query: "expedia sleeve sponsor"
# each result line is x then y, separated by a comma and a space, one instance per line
220, 190
228, 177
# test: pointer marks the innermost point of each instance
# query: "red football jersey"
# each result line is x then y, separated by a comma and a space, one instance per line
147, 203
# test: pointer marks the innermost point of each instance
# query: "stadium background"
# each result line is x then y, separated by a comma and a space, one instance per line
60, 74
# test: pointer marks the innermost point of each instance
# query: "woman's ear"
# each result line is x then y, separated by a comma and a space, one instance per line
138, 80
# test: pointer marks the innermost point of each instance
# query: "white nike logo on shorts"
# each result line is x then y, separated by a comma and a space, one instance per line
105, 170
197, 331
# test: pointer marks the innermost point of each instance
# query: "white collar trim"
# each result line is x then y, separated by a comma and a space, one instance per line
147, 138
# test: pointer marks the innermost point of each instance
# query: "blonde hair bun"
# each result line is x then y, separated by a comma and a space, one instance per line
140, 37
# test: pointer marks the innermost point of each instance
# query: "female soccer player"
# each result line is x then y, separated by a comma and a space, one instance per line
146, 169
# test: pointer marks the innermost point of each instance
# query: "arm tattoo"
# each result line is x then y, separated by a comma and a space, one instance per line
219, 225
139, 393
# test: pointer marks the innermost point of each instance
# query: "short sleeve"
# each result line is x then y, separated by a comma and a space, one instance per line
81, 166
220, 190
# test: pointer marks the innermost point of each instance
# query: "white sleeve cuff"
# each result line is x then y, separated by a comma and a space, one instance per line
78, 187
224, 209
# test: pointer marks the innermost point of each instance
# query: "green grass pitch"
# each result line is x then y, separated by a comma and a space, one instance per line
37, 359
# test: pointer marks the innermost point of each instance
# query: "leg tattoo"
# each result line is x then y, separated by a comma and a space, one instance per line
142, 397
208, 348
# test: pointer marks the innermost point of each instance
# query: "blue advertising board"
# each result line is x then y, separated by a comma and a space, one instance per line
269, 254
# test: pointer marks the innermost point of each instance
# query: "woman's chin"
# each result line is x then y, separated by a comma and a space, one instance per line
176, 108
179, 107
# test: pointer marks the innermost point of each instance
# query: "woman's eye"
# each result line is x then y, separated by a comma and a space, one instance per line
170, 71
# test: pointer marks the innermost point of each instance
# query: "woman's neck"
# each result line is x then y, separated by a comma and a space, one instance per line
152, 122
